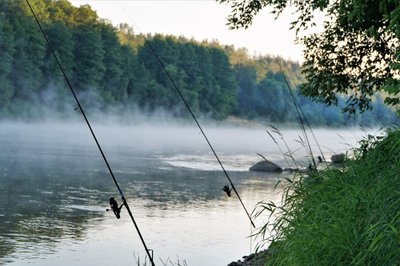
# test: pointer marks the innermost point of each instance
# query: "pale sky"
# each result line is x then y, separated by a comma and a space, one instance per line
201, 19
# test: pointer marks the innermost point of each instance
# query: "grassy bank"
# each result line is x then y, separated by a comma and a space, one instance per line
343, 216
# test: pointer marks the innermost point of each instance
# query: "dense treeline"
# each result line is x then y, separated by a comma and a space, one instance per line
114, 68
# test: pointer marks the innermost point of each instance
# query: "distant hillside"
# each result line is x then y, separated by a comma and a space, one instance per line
113, 70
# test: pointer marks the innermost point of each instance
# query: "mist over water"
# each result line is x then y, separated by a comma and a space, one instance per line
55, 189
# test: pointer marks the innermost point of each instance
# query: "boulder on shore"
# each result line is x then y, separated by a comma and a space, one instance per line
266, 166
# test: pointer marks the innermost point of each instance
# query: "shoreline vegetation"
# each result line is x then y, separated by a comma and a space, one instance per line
339, 216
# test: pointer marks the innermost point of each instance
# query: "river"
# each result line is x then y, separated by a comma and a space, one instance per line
55, 189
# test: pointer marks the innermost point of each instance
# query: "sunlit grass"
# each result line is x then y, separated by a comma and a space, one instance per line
342, 216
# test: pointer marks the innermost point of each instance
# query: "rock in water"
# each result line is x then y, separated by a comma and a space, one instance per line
266, 166
338, 158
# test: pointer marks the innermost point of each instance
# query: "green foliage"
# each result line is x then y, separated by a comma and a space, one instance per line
357, 54
89, 67
29, 52
345, 216
7, 49
112, 68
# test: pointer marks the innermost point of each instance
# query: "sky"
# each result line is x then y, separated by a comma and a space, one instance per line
202, 20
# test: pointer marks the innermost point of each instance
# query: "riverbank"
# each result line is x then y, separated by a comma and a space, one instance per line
343, 216
254, 259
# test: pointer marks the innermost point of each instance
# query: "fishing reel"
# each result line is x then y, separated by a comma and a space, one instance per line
227, 190
115, 208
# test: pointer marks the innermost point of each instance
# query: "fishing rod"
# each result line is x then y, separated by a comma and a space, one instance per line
226, 188
297, 107
301, 116
312, 132
113, 203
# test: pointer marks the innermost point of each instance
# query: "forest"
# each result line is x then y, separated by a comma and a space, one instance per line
114, 69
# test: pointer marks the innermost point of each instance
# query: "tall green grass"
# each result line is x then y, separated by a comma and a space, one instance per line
343, 216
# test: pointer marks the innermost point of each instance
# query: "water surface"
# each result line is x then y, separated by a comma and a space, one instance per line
55, 189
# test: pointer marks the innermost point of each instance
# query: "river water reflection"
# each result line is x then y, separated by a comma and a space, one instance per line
55, 189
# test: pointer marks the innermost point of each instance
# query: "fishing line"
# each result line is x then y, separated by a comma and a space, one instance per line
195, 120
124, 203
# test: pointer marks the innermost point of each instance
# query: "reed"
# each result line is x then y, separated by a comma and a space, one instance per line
167, 262
339, 216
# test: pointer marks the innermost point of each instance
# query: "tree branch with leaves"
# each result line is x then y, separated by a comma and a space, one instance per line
357, 54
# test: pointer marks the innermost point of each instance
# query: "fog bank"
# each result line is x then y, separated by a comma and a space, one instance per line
160, 136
